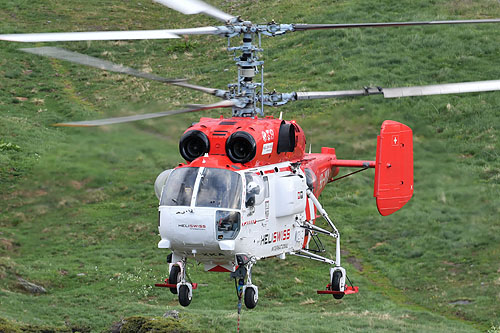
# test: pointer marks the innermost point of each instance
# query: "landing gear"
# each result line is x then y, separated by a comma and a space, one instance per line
183, 287
251, 297
174, 278
248, 291
336, 284
185, 295
177, 282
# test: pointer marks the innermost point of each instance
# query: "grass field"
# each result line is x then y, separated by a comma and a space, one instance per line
78, 214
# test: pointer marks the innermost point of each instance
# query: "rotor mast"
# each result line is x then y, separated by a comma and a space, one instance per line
249, 65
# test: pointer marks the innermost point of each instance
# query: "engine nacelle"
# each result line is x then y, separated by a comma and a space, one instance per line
241, 147
193, 144
248, 142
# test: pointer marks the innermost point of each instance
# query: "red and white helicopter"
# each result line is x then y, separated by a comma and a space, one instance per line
248, 189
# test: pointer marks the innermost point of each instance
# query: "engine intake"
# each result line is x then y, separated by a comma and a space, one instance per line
193, 144
241, 147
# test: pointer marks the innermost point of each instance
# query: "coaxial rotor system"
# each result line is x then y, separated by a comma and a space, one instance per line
246, 97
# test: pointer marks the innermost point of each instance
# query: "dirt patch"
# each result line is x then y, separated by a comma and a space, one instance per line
377, 245
7, 244
79, 184
308, 301
366, 314
94, 195
354, 261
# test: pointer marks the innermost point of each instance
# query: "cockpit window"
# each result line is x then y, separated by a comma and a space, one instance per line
179, 187
219, 188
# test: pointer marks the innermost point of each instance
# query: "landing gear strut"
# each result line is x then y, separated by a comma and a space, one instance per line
337, 286
248, 289
178, 284
184, 288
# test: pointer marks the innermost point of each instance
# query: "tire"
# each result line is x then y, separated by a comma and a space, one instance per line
184, 298
250, 298
337, 275
174, 278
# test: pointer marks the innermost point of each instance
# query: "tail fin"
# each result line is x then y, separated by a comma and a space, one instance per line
393, 167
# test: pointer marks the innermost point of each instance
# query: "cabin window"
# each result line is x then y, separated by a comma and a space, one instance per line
179, 187
228, 224
219, 188
257, 189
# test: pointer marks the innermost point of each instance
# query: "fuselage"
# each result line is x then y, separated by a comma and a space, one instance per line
213, 208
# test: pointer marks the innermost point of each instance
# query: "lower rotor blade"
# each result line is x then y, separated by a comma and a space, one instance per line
301, 95
443, 89
189, 7
118, 120
438, 89
300, 27
82, 59
210, 91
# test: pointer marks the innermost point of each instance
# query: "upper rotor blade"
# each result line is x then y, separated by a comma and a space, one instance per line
438, 89
118, 120
189, 7
108, 35
298, 27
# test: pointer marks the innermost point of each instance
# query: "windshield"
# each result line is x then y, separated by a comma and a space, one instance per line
219, 188
179, 187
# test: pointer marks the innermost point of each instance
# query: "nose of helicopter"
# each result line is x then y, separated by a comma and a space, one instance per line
196, 229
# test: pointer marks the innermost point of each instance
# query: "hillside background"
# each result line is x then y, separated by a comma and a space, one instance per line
78, 214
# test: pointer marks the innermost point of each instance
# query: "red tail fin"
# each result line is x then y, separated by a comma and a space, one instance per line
393, 167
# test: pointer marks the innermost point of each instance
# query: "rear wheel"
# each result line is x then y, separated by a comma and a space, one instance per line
250, 298
184, 298
174, 278
337, 275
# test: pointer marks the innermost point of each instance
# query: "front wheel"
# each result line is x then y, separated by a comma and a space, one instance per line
184, 298
251, 298
174, 278
337, 275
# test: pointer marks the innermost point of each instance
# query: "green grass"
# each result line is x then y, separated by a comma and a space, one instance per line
78, 211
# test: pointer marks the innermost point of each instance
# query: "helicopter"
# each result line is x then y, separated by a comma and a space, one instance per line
248, 189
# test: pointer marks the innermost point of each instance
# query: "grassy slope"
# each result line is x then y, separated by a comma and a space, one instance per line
77, 212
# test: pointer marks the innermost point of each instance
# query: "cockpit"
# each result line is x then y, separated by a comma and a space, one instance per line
203, 187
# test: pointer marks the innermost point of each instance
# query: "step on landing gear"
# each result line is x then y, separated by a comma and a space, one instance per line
178, 284
337, 286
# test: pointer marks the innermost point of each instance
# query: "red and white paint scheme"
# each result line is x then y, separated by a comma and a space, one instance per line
248, 190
